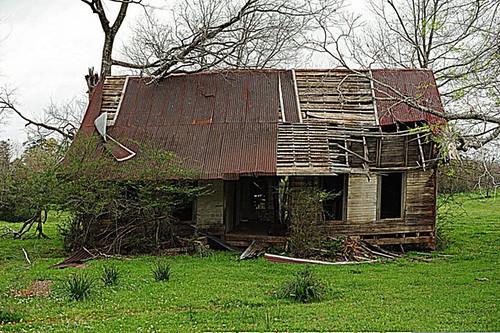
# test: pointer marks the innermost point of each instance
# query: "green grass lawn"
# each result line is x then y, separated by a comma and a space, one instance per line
220, 293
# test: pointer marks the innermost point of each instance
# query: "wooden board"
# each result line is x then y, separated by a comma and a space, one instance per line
362, 198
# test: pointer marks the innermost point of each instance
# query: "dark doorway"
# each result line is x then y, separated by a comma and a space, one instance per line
334, 207
391, 195
252, 204
258, 198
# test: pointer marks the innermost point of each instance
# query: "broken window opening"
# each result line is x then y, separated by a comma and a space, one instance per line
391, 195
334, 207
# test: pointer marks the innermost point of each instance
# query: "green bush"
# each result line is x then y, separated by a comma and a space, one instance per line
305, 214
78, 287
161, 271
302, 287
449, 211
110, 275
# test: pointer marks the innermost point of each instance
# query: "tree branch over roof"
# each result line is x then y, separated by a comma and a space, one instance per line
213, 34
454, 38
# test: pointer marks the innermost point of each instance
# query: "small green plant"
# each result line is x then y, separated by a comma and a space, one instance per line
110, 275
9, 317
302, 287
78, 287
356, 271
161, 271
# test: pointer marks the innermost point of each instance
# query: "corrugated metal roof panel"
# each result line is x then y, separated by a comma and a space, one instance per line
93, 110
224, 123
291, 109
415, 83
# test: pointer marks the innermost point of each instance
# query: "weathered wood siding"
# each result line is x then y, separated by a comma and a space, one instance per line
393, 151
313, 148
421, 199
111, 96
417, 224
335, 96
362, 199
210, 208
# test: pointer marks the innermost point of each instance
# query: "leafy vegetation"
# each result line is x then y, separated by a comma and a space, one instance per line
119, 208
221, 293
110, 275
304, 213
7, 317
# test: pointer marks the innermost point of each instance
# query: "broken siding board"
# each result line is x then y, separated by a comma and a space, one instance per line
401, 240
373, 228
362, 199
315, 144
309, 91
338, 98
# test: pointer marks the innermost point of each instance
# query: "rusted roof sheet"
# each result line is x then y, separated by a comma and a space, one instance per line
415, 83
224, 123
289, 97
93, 110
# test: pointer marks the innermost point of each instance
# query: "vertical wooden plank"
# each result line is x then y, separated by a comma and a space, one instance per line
362, 199
421, 197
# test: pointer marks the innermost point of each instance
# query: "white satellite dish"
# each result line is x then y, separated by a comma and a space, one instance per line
101, 123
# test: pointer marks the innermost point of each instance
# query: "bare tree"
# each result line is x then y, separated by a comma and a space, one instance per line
211, 34
201, 35
110, 29
457, 39
63, 117
60, 119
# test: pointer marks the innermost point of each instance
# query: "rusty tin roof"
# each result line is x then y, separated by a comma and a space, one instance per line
226, 123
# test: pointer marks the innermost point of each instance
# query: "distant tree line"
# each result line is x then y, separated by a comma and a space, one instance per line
470, 175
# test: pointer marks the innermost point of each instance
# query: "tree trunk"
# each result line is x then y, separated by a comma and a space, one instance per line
106, 54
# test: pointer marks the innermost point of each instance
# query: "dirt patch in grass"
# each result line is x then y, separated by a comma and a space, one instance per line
37, 288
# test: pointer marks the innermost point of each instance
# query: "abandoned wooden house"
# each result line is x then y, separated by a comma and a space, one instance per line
251, 130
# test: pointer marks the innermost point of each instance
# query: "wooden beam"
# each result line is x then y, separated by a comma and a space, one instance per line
351, 152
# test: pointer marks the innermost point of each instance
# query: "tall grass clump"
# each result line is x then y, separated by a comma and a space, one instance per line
78, 287
110, 275
161, 271
303, 287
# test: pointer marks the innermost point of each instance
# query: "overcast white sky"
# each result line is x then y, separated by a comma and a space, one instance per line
46, 49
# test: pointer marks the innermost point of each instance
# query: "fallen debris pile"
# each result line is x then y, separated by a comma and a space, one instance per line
338, 251
355, 249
